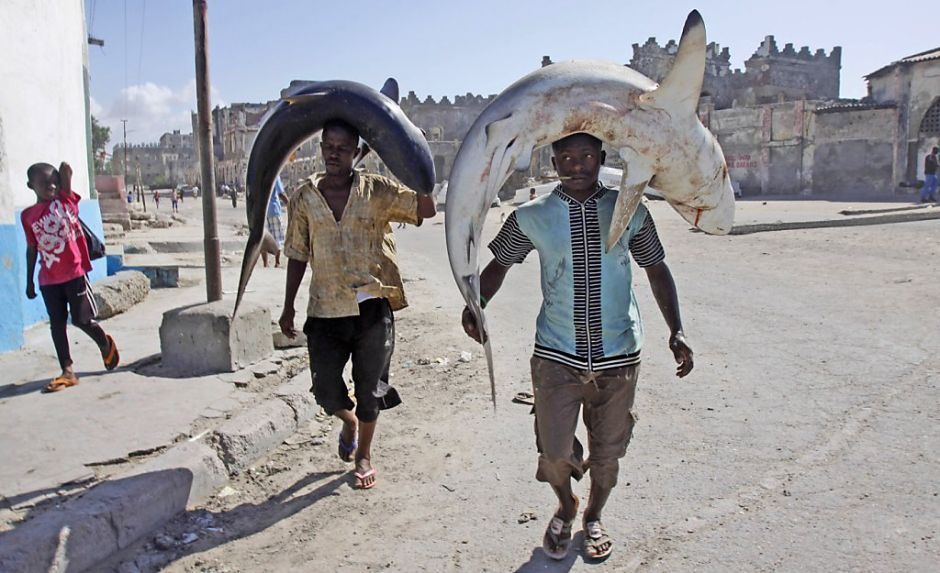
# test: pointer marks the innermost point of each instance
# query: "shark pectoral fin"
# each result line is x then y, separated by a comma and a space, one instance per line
390, 89
627, 202
525, 159
494, 130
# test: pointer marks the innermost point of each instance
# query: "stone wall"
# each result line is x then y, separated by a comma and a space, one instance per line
854, 152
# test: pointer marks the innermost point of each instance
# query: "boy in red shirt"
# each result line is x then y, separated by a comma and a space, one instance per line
54, 236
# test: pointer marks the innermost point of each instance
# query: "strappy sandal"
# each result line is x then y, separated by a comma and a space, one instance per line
111, 356
597, 544
362, 477
60, 383
557, 539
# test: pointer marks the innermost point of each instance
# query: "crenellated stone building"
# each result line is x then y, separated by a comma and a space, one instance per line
167, 163
770, 75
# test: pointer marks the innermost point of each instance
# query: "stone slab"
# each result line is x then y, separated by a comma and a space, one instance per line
119, 292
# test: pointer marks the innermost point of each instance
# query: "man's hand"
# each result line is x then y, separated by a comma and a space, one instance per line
470, 325
65, 177
286, 322
30, 290
682, 352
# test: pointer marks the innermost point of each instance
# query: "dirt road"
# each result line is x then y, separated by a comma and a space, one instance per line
806, 439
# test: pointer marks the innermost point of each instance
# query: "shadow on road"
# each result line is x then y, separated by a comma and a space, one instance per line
539, 562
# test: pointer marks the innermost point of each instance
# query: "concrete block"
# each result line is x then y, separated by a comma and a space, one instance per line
119, 292
204, 338
254, 433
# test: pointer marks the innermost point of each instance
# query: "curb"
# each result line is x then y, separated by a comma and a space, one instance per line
91, 527
857, 222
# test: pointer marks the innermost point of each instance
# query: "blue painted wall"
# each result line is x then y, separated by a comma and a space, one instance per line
16, 311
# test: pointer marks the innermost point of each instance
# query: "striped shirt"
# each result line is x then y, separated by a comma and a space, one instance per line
512, 245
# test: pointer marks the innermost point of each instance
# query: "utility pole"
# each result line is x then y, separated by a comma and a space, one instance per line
204, 136
124, 163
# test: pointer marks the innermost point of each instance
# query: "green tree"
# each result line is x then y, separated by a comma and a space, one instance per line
100, 135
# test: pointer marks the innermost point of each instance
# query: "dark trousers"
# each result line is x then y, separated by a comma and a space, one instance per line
369, 339
75, 296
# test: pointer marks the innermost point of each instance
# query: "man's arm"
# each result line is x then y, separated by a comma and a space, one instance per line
30, 272
491, 279
295, 276
664, 291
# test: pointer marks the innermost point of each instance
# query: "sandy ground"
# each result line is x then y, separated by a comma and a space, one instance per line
806, 439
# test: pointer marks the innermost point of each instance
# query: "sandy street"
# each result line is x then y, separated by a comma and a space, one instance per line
806, 439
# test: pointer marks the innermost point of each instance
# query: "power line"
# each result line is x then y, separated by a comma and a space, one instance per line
140, 51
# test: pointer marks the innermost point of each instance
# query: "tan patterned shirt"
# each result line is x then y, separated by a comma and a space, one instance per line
355, 255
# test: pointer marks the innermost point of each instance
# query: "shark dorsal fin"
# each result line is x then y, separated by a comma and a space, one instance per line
680, 89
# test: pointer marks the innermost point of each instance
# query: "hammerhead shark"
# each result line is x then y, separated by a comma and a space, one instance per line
654, 128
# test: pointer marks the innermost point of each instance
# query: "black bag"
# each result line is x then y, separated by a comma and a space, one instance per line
95, 245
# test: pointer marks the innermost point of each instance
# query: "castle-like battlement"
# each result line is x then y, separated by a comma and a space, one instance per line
768, 49
467, 100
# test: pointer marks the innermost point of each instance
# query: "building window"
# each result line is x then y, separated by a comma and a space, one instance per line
931, 122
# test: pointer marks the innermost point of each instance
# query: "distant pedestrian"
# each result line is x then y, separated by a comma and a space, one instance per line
55, 238
275, 222
156, 198
175, 201
234, 196
929, 191
130, 197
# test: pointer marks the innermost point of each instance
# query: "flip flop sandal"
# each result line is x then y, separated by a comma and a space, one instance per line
597, 544
112, 357
557, 539
361, 478
524, 398
60, 383
345, 451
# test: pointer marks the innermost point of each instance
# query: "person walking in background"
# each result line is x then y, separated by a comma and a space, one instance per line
929, 191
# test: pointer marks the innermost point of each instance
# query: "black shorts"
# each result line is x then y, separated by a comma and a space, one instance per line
369, 339
75, 296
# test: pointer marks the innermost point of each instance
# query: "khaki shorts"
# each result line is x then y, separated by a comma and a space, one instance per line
607, 400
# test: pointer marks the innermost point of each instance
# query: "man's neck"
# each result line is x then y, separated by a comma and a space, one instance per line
580, 196
336, 182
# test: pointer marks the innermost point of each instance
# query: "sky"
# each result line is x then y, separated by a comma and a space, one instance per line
145, 72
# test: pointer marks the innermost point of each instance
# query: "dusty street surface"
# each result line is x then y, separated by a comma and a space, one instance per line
806, 439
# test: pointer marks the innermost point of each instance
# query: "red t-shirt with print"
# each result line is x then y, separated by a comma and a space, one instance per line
52, 228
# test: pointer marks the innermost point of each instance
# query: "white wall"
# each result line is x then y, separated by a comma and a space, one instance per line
42, 101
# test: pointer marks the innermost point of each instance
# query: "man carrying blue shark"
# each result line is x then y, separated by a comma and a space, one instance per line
588, 334
337, 223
